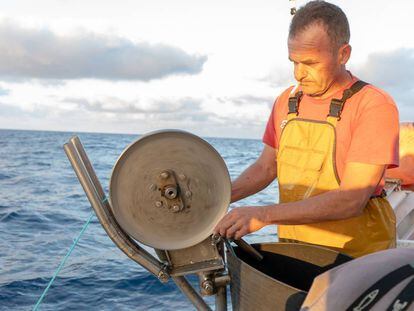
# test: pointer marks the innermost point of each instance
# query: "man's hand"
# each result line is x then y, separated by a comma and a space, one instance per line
241, 221
347, 201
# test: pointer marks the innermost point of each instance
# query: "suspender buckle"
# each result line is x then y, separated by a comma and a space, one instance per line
293, 103
335, 108
337, 105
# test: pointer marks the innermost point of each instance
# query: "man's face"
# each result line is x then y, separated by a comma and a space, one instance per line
316, 63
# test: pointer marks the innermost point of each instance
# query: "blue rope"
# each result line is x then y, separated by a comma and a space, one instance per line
62, 263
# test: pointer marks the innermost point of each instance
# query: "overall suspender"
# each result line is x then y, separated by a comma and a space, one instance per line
336, 106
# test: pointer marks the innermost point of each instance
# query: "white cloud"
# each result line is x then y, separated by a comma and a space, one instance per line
39, 53
4, 91
393, 72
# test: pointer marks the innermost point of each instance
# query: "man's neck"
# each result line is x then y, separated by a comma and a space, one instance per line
342, 79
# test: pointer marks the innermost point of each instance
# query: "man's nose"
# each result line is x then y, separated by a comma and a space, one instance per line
300, 72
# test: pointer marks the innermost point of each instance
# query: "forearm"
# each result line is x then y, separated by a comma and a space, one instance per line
359, 182
255, 178
332, 205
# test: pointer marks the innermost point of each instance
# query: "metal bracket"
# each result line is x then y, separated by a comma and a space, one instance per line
170, 191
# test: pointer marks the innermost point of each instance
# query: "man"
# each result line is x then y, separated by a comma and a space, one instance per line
329, 155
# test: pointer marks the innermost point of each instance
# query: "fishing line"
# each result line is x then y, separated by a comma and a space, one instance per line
62, 263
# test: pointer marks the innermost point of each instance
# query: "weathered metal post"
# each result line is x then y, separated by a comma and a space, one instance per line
221, 299
191, 294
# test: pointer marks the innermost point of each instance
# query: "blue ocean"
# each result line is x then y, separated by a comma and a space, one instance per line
43, 208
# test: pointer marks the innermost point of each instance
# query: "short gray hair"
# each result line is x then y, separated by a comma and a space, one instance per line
326, 14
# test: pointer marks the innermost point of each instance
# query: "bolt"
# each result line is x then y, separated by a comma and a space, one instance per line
163, 277
188, 194
175, 208
182, 177
158, 204
165, 175
170, 192
153, 187
208, 287
216, 238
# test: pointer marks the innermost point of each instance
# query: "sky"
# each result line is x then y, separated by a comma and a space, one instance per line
213, 68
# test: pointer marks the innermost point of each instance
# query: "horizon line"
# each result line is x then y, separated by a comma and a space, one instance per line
118, 133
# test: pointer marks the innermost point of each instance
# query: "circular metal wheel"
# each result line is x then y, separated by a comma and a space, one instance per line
169, 189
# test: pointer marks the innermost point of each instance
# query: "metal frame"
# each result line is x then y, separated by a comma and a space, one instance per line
96, 196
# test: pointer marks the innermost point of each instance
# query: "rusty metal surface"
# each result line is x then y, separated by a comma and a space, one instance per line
221, 299
281, 280
170, 194
203, 256
203, 186
190, 293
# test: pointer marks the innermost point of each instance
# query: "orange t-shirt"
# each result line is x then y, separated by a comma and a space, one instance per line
367, 132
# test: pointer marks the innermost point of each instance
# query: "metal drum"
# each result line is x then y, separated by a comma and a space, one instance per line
169, 189
281, 280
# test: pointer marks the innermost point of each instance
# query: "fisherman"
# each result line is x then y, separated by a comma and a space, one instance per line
329, 141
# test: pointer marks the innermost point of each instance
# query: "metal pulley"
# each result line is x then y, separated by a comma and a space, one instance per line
169, 189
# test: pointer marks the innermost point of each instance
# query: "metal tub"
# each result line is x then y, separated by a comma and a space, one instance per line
281, 280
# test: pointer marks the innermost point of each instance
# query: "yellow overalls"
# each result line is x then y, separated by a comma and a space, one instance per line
306, 167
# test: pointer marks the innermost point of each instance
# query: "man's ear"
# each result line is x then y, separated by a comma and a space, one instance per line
344, 54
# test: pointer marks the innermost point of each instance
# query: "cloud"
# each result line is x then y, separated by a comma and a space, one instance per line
248, 100
113, 114
41, 54
4, 92
393, 72
178, 110
9, 110
185, 112
280, 76
390, 69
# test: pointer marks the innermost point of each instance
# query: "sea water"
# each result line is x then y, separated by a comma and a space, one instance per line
43, 208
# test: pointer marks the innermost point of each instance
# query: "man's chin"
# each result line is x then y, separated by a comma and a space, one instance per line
310, 91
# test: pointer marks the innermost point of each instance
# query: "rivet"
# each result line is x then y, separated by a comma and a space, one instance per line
165, 175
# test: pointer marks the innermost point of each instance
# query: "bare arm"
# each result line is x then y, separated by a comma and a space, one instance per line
257, 176
358, 184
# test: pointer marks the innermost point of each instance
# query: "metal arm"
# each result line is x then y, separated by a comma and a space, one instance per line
93, 189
